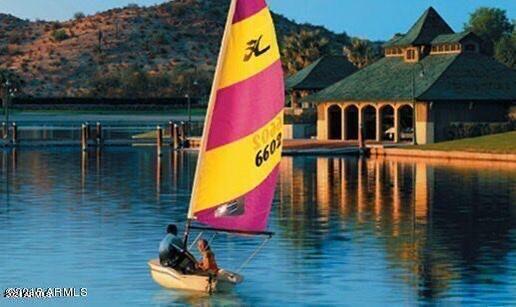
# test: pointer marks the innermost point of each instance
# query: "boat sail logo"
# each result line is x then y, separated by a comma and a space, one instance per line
233, 208
254, 49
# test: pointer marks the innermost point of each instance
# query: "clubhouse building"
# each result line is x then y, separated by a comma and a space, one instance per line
430, 79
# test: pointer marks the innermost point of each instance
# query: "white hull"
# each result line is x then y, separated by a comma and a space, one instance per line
172, 279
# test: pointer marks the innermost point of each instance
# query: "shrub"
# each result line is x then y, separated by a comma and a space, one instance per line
161, 39
4, 50
461, 130
55, 25
79, 15
179, 9
60, 35
15, 38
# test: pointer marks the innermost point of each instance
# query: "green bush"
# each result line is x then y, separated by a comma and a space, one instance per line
161, 39
79, 15
60, 35
467, 130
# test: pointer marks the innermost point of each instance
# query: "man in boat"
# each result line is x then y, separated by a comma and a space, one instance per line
208, 263
170, 248
173, 254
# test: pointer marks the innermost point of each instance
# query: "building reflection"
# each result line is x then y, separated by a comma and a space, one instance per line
408, 206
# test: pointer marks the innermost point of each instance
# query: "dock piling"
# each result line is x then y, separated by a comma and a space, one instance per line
15, 134
88, 131
183, 137
4, 132
84, 139
171, 132
159, 139
99, 134
175, 136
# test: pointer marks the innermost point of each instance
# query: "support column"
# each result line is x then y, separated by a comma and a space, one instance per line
396, 125
378, 125
343, 115
293, 99
360, 128
414, 121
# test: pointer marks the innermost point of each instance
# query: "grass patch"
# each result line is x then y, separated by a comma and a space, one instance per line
502, 143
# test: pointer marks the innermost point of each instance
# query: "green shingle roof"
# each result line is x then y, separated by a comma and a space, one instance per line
466, 76
473, 76
320, 74
426, 28
452, 38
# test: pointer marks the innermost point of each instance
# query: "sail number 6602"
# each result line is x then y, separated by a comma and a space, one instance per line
265, 153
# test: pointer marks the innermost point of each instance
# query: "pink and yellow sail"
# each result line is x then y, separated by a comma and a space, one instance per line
242, 140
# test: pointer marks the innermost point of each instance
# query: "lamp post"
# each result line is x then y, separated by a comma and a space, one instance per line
414, 113
189, 103
8, 91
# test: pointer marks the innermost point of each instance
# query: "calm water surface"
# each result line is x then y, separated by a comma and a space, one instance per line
348, 231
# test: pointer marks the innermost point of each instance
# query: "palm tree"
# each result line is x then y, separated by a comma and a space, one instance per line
361, 52
303, 48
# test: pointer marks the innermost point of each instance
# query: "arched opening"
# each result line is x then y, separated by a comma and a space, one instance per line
369, 118
387, 116
334, 123
406, 116
351, 114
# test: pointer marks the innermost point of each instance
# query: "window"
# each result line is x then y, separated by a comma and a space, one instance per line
446, 47
411, 54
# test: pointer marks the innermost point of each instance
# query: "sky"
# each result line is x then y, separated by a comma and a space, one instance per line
372, 19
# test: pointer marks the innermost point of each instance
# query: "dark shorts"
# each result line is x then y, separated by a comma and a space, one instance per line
183, 262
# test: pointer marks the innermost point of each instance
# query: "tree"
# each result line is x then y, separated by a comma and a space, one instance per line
490, 24
134, 82
15, 81
505, 50
79, 15
361, 52
301, 49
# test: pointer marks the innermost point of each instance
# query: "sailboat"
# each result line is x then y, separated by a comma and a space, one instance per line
240, 149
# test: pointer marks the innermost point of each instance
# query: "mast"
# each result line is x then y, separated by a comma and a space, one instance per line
211, 105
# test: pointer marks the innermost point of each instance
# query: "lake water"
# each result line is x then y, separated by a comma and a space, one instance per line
348, 231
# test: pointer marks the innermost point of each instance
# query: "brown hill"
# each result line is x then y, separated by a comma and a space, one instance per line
146, 51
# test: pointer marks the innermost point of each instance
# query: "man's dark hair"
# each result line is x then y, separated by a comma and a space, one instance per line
171, 228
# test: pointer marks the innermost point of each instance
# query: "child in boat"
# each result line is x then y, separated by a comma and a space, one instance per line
208, 263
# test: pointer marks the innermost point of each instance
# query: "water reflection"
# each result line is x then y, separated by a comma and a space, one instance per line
439, 222
379, 230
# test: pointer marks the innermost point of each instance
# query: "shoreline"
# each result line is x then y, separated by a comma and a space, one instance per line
437, 154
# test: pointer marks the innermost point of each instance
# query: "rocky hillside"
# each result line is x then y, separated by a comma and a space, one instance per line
134, 50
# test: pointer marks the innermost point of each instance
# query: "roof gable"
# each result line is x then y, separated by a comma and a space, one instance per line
426, 28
